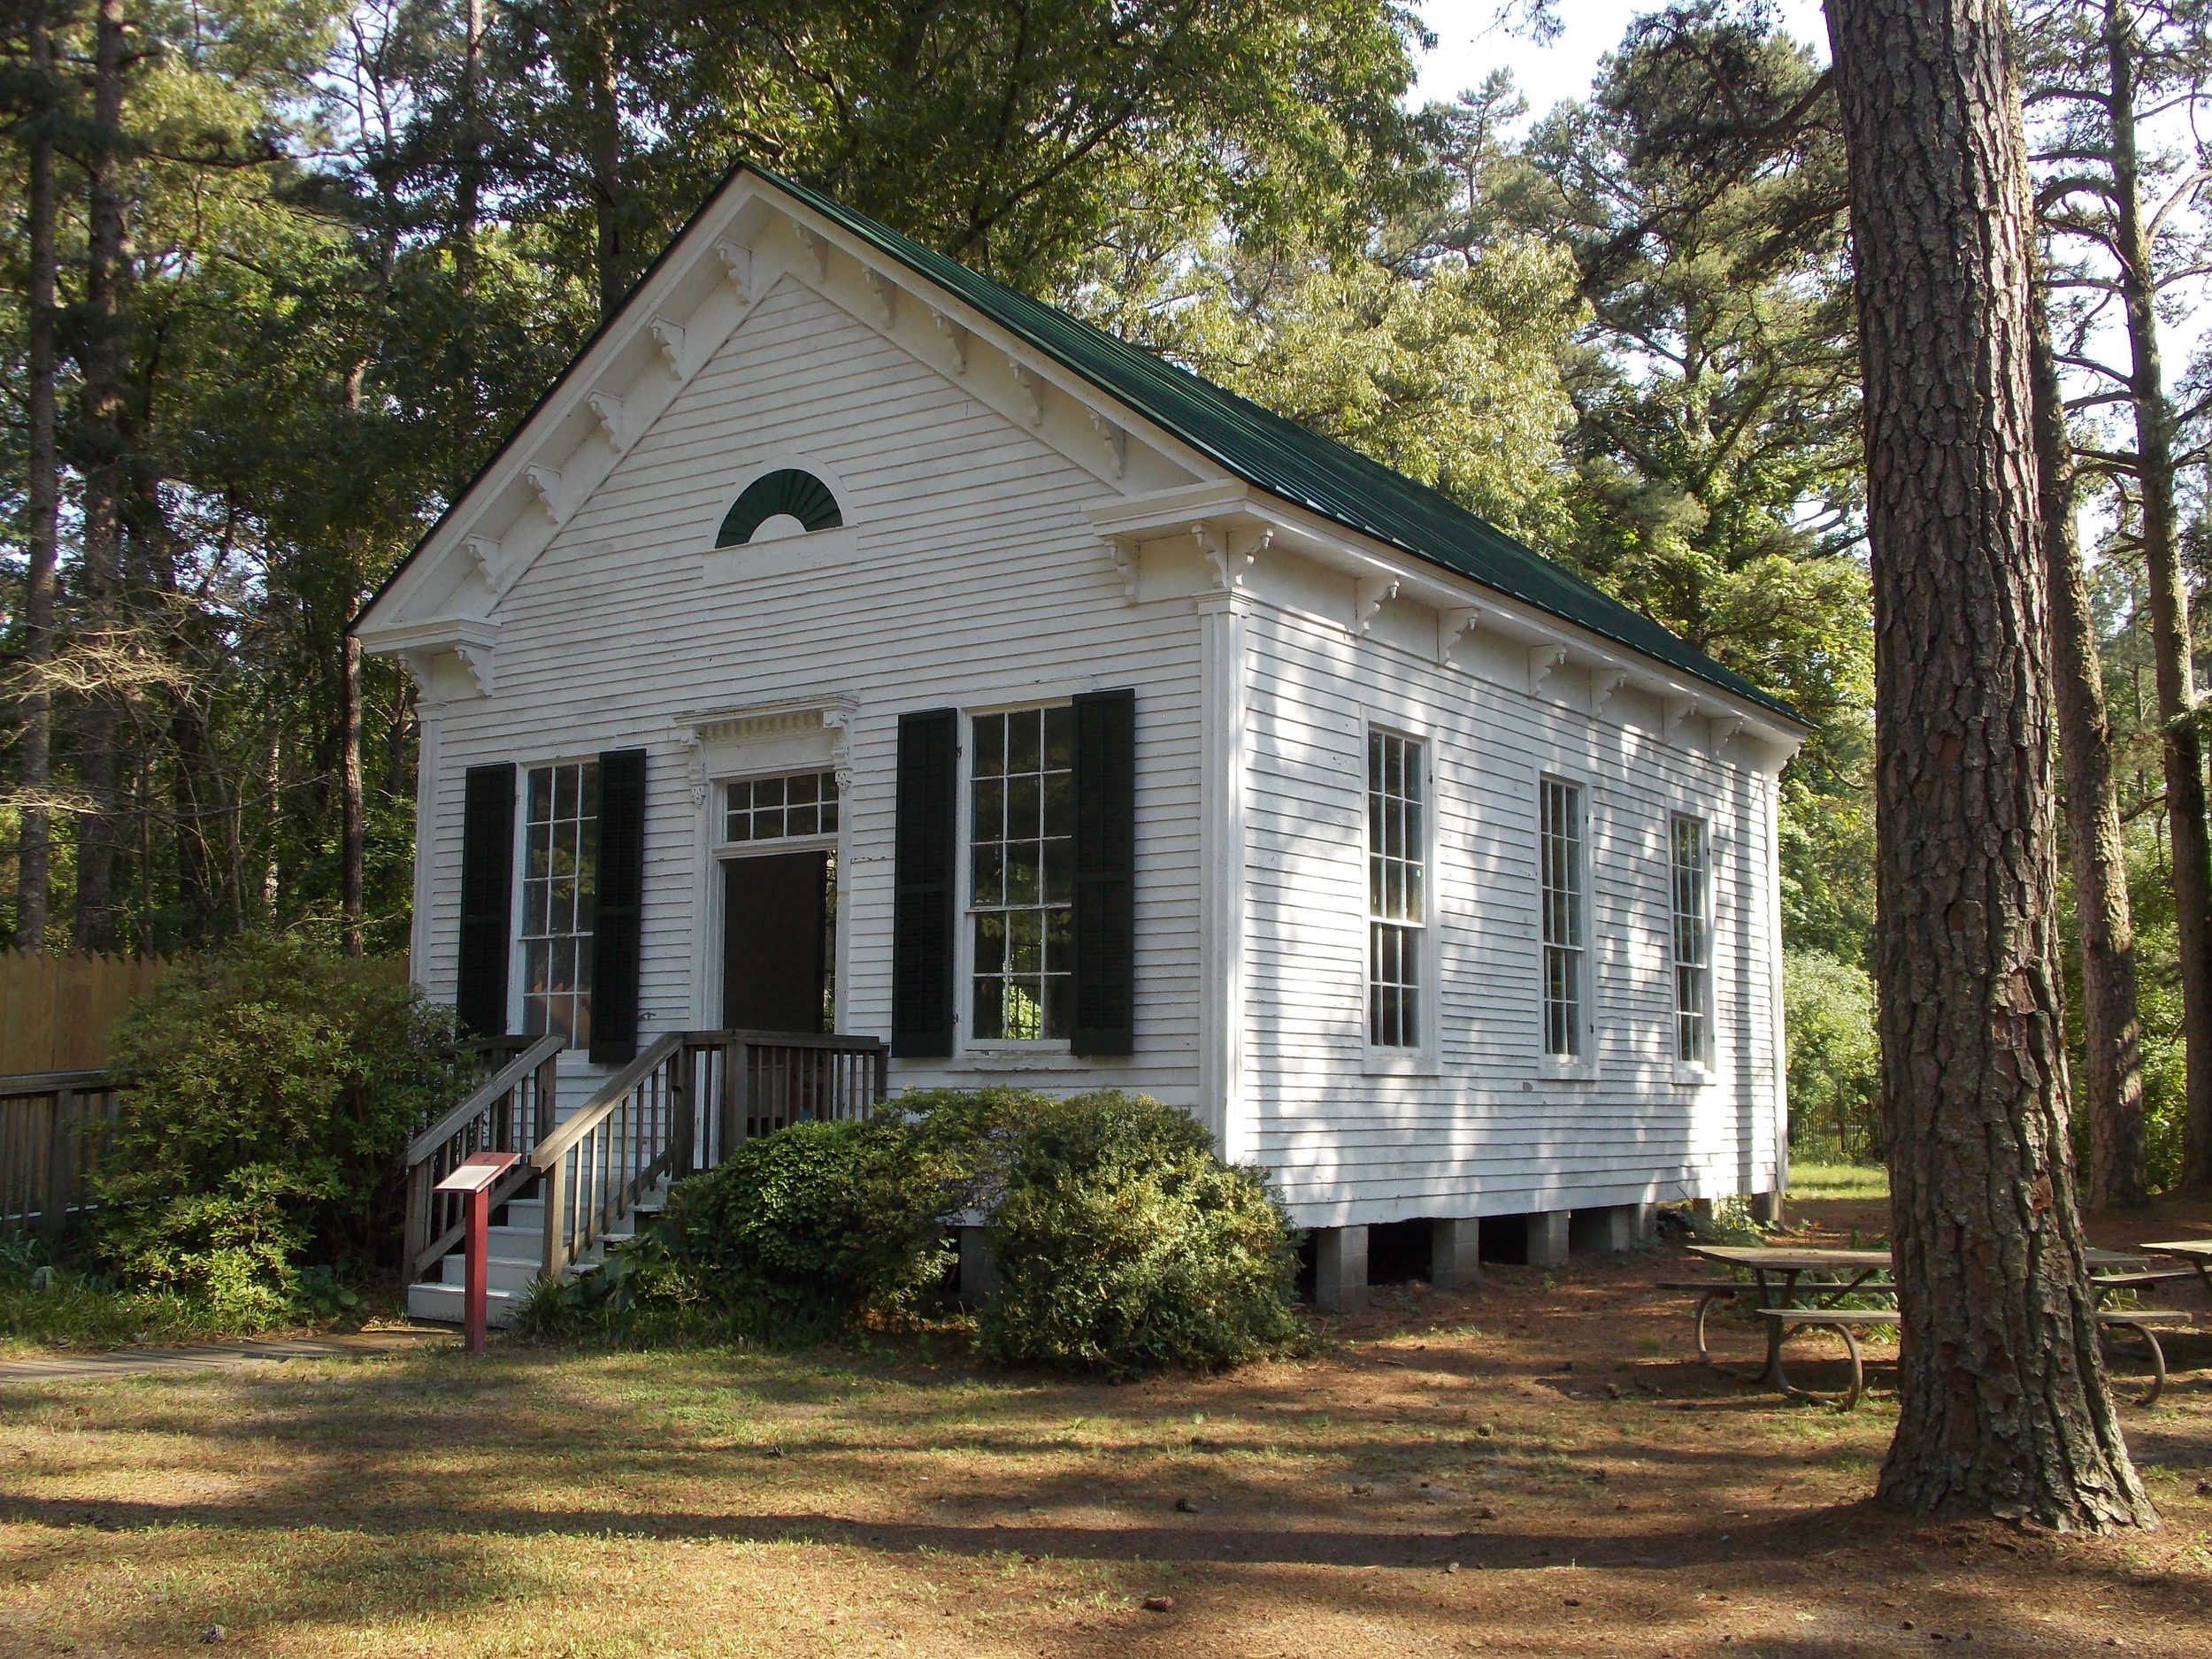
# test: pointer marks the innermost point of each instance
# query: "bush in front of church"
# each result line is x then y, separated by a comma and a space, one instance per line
816, 1227
1125, 1247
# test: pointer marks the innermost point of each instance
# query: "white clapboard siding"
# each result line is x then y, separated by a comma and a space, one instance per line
977, 582
1489, 1129
968, 576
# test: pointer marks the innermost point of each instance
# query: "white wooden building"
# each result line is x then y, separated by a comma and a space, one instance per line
848, 637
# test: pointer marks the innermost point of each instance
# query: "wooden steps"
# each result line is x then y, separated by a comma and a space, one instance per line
516, 1254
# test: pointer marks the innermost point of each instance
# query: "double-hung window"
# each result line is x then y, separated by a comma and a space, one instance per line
1689, 857
1397, 881
1021, 844
559, 871
1560, 836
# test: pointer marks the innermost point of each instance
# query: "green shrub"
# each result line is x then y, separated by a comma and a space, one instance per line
1124, 1246
46, 1301
275, 1087
808, 1229
236, 1249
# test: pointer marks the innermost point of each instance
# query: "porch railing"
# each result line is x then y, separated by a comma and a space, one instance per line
776, 1079
512, 1110
683, 1106
53, 1126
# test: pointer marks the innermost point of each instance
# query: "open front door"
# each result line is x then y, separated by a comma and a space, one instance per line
778, 960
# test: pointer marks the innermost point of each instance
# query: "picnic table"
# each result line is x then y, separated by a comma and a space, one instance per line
2196, 1252
1794, 1288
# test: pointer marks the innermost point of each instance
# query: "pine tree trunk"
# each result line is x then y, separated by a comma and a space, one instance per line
42, 497
104, 354
2003, 1407
198, 796
349, 837
2112, 1032
2171, 653
606, 158
468, 175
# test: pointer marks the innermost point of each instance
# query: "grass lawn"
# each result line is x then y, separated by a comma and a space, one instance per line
1838, 1180
1538, 1466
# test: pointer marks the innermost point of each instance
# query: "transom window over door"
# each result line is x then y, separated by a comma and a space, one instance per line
1560, 835
1693, 941
560, 860
1021, 874
774, 809
1397, 873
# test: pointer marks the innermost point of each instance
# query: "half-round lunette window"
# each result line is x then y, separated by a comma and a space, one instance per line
788, 493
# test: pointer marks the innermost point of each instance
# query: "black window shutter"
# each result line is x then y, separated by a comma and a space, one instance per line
488, 882
927, 855
619, 907
1105, 872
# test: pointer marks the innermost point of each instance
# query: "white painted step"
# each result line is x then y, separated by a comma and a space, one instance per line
516, 1252
445, 1303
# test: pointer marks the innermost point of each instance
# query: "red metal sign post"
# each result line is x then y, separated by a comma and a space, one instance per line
474, 1176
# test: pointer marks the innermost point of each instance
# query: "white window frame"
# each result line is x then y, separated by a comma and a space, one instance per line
1687, 1070
1582, 1064
519, 897
1420, 1059
721, 851
1054, 1052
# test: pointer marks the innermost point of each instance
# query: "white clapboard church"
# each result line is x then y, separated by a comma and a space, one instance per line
850, 646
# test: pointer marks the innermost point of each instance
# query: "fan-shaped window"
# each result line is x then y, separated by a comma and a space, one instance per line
788, 493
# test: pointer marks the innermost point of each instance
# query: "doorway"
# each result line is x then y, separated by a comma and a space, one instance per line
779, 942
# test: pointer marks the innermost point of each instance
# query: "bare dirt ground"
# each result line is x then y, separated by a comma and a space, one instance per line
1538, 1466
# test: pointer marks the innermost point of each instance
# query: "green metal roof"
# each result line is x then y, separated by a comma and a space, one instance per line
1288, 460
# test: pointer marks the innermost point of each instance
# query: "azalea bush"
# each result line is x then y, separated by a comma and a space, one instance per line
274, 1087
1124, 1245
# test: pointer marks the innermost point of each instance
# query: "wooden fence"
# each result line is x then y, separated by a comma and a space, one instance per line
51, 1127
59, 1008
56, 1008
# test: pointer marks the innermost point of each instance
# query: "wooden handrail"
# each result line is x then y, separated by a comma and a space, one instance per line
529, 1061
47, 1082
592, 1111
505, 1113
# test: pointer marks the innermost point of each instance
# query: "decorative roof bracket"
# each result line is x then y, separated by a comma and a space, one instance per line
547, 481
955, 336
737, 268
1230, 563
1369, 593
1123, 550
885, 292
1033, 389
671, 336
1116, 440
1541, 661
1454, 622
608, 407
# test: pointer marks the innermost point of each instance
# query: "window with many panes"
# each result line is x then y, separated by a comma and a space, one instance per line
1397, 870
1021, 873
1560, 833
1689, 858
560, 857
776, 809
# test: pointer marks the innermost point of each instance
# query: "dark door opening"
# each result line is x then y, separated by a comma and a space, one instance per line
779, 957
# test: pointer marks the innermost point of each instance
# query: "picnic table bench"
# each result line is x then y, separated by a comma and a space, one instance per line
2196, 1252
1799, 1290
